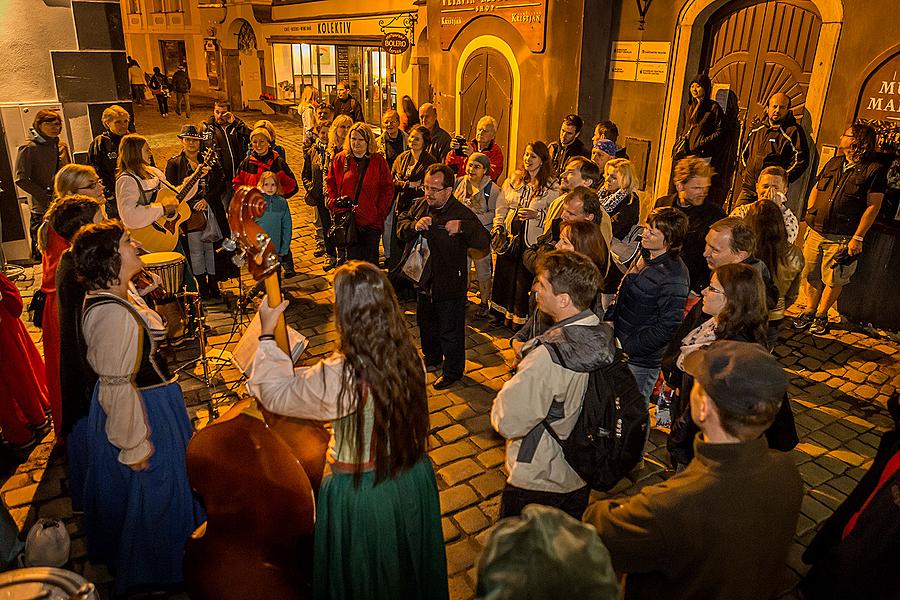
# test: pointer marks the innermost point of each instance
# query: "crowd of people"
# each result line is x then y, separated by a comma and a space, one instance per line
690, 298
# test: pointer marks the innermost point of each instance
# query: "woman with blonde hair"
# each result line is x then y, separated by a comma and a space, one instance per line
267, 125
621, 203
359, 180
309, 102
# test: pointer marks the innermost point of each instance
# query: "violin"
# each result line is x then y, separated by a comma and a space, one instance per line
257, 478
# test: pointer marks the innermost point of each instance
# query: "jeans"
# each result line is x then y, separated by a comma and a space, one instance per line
646, 380
183, 99
442, 330
366, 246
34, 224
514, 499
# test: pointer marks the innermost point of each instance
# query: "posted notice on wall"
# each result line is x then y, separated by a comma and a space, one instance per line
647, 62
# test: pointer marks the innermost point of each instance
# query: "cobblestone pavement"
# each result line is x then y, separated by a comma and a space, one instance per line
839, 387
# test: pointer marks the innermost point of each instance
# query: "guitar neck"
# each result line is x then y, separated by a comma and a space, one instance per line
189, 182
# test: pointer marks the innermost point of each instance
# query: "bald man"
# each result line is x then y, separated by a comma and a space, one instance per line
440, 139
774, 140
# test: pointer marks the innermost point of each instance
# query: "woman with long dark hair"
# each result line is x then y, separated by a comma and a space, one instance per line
734, 303
409, 114
518, 222
138, 507
784, 260
378, 522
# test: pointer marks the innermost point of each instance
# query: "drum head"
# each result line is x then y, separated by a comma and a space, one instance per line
41, 582
161, 259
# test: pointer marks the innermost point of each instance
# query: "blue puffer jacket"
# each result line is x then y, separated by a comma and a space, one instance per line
649, 307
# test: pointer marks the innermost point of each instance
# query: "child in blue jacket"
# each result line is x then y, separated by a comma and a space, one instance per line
276, 221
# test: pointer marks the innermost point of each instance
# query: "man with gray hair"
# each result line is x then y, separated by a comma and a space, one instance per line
440, 139
484, 142
723, 526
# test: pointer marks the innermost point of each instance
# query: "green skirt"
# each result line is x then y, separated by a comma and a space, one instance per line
380, 542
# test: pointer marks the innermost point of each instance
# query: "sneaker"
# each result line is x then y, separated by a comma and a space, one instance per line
819, 325
803, 321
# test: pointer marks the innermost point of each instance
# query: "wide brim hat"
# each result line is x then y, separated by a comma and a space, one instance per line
190, 132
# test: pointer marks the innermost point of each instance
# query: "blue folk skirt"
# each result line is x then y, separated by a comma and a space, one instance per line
137, 522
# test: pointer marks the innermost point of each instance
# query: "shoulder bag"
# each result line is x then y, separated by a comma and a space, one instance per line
343, 232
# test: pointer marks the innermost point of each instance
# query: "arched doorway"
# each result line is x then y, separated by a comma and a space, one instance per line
485, 88
757, 51
488, 82
687, 54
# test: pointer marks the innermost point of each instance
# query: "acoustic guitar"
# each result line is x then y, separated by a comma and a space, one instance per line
162, 234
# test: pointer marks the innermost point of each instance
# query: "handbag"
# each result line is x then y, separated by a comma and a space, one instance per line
211, 233
196, 222
343, 231
416, 260
36, 308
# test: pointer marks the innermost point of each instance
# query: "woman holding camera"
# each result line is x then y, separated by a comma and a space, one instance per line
359, 180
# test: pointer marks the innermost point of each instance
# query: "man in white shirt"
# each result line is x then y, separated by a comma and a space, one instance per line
542, 389
772, 185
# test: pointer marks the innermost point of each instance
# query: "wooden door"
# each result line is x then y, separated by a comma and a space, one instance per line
233, 78
486, 89
762, 48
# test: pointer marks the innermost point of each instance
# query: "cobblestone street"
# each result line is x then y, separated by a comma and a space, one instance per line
840, 383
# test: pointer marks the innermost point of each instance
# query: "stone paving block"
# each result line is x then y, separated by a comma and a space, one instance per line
460, 412
804, 524
438, 403
479, 424
814, 509
877, 377
866, 392
20, 496
490, 483
456, 498
461, 555
16, 481
832, 463
454, 451
492, 457
814, 475
491, 508
810, 449
486, 440
459, 471
449, 529
840, 432
439, 420
824, 440
452, 433
471, 520
828, 496
848, 457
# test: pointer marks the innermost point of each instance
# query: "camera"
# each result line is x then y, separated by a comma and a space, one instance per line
461, 151
344, 202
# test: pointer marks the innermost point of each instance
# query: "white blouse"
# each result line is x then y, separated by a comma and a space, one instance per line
114, 342
135, 215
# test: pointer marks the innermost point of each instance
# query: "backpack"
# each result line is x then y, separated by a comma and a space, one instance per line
609, 435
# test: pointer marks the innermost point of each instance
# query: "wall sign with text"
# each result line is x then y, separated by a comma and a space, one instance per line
529, 17
640, 61
879, 99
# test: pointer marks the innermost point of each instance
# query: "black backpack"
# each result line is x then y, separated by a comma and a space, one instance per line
608, 438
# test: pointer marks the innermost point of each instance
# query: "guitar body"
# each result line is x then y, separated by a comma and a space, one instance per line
162, 235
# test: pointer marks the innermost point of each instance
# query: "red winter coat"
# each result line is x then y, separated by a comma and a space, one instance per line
375, 196
253, 167
494, 154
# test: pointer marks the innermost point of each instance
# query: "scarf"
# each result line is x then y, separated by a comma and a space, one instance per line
611, 200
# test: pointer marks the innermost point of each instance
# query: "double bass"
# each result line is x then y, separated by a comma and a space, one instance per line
257, 478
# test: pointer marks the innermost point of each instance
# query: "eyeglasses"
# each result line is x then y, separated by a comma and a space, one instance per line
435, 190
715, 290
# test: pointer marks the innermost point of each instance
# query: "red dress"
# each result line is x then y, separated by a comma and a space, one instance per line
23, 394
56, 245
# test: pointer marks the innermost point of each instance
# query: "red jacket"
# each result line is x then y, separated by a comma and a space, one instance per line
494, 154
252, 168
376, 195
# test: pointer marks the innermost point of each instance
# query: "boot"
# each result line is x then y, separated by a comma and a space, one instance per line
212, 286
203, 285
